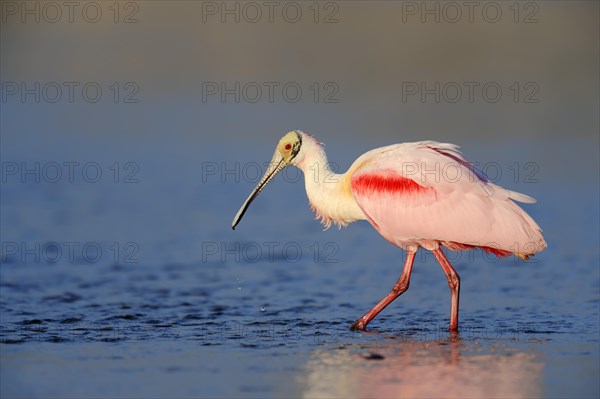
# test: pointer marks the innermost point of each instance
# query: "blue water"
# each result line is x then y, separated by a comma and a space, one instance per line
178, 304
120, 275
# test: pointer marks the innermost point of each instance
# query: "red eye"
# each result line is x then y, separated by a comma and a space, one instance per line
288, 146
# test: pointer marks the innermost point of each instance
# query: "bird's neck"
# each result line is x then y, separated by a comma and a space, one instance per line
329, 193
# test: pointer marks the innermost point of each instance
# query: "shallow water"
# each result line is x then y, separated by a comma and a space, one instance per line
264, 310
124, 278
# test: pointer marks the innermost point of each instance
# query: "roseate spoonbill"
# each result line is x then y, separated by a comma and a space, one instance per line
416, 195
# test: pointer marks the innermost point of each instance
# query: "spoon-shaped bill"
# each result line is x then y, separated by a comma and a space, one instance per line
276, 165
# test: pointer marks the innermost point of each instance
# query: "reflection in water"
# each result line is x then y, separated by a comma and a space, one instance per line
432, 369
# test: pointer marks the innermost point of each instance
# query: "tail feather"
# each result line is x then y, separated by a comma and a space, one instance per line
526, 199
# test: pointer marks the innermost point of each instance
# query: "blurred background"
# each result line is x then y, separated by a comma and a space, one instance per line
132, 131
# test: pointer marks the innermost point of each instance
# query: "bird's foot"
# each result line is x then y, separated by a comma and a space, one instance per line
453, 330
453, 335
358, 325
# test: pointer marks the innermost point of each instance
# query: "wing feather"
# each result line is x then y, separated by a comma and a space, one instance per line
427, 193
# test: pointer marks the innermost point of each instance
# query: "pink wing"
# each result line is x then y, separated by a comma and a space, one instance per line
426, 194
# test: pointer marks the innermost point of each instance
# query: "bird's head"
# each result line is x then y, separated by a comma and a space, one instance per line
288, 152
288, 148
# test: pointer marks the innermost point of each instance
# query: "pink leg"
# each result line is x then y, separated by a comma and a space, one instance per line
400, 286
453, 283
